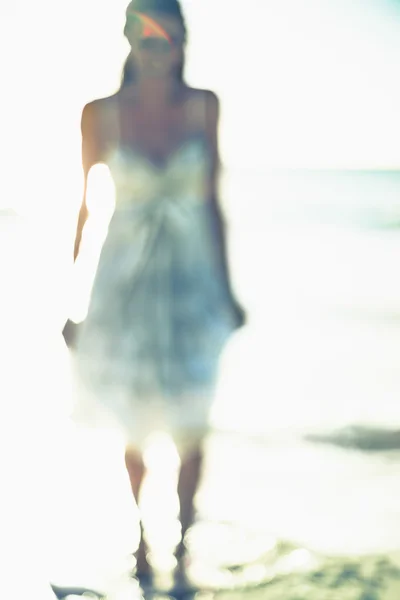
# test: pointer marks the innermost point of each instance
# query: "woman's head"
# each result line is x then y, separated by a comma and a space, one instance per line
156, 32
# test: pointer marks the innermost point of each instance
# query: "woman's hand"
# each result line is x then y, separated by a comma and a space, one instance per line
70, 333
240, 314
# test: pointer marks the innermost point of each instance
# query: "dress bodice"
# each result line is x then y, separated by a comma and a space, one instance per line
182, 179
165, 206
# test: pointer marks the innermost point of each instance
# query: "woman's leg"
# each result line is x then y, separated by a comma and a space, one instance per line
136, 470
189, 479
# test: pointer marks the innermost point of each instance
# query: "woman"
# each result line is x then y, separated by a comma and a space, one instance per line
161, 307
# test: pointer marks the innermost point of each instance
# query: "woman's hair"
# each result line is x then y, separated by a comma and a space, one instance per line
168, 7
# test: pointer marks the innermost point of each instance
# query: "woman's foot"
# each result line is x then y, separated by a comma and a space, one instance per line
183, 586
143, 571
145, 580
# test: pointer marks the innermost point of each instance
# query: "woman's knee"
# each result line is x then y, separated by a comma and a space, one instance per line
134, 461
190, 449
191, 466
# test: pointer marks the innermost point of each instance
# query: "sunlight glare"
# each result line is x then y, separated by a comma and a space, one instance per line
100, 199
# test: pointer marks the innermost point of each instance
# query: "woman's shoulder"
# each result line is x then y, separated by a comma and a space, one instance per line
203, 105
97, 108
202, 96
98, 120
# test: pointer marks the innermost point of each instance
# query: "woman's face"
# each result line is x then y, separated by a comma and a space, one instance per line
157, 51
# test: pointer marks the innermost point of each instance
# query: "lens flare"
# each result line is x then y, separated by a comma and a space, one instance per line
150, 27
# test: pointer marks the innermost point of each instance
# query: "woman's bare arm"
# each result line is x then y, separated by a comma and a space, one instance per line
212, 123
90, 156
91, 153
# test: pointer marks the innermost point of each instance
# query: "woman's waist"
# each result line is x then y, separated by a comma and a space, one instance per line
138, 197
181, 215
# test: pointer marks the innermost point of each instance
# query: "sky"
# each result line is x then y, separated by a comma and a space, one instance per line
311, 84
